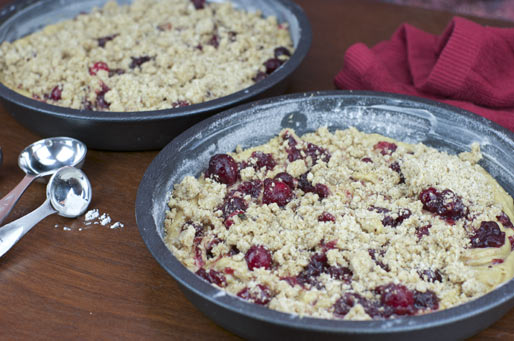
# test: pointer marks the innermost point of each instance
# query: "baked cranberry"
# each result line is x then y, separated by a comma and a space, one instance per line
93, 70
488, 235
223, 168
199, 4
398, 297
427, 300
199, 228
373, 254
233, 251
229, 221
505, 220
340, 273
258, 257
317, 265
233, 204
326, 217
253, 188
385, 148
497, 261
430, 275
281, 51
293, 154
445, 204
276, 192
511, 241
378, 209
322, 191
259, 76
403, 214
328, 245
304, 184
199, 262
395, 166
317, 152
291, 280
180, 104
261, 294
56, 93
367, 160
103, 40
210, 246
138, 61
423, 231
214, 41
286, 178
344, 304
101, 103
213, 277
229, 271
272, 64
263, 160
116, 72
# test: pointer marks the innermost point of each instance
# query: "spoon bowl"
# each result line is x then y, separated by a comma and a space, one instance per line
68, 194
40, 159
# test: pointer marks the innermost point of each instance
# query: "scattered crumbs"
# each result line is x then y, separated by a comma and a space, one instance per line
92, 214
117, 225
105, 219
66, 228
94, 217
56, 225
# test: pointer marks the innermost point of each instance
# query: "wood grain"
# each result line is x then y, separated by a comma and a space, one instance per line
102, 283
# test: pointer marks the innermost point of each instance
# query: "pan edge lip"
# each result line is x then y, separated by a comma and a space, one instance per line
459, 314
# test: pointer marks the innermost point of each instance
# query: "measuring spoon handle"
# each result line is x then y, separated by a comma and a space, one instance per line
8, 202
12, 232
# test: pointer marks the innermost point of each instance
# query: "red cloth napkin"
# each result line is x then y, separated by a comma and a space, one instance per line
469, 66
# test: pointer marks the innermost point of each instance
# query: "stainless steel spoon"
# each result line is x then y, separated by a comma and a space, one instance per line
68, 193
40, 159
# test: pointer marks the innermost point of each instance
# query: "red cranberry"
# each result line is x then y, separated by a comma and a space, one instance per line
214, 41
258, 257
317, 265
305, 185
229, 271
93, 70
373, 254
263, 160
260, 295
431, 275
317, 152
488, 235
199, 4
259, 76
497, 261
199, 228
328, 245
210, 246
344, 304
180, 104
101, 103
223, 168
233, 204
385, 148
281, 51
103, 40
138, 61
398, 297
199, 262
276, 192
116, 72
272, 64
426, 300
395, 166
340, 273
55, 95
322, 191
367, 160
233, 251
446, 204
229, 221
253, 188
326, 217
511, 241
505, 220
286, 178
423, 231
213, 277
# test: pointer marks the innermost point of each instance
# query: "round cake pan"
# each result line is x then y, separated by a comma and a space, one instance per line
401, 117
145, 130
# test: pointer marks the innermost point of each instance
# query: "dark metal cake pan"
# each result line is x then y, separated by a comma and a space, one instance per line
144, 130
404, 118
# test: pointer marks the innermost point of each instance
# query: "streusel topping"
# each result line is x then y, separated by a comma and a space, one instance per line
345, 225
150, 55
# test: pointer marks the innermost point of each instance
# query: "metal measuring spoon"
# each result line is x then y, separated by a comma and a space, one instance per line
40, 159
68, 194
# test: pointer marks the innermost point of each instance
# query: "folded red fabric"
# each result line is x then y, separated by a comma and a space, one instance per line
469, 66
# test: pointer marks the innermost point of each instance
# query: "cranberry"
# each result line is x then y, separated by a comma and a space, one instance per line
292, 281
446, 204
198, 252
511, 241
403, 214
101, 103
286, 178
367, 160
116, 72
340, 273
317, 265
213, 277
373, 254
497, 261
322, 191
258, 257
378, 209
199, 4
229, 221
385, 148
233, 251
263, 160
328, 245
214, 41
229, 271
233, 204
305, 185
395, 166
423, 231
326, 217
293, 154
276, 192
488, 235
103, 40
93, 70
253, 188
431, 275
180, 104
260, 295
223, 168
272, 64
210, 246
344, 304
259, 76
55, 95
398, 297
317, 152
505, 220
199, 228
426, 300
281, 51
138, 61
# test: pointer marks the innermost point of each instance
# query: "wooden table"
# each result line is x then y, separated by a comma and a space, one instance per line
102, 283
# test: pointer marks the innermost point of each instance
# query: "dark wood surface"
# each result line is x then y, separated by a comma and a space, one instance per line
102, 283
